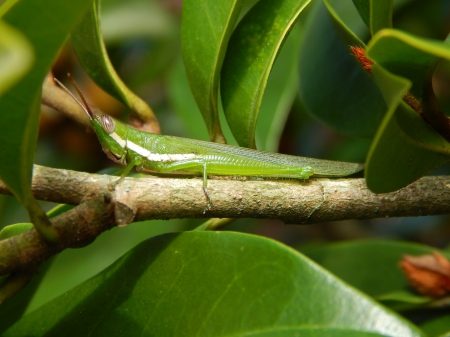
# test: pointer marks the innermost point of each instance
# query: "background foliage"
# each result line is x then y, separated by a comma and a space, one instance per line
306, 95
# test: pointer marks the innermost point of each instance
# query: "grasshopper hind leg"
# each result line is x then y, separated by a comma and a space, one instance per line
189, 164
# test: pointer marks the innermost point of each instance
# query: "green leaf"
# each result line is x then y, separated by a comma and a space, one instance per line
333, 85
186, 108
438, 326
363, 8
74, 266
280, 92
148, 24
13, 230
13, 309
16, 56
403, 63
91, 51
369, 265
20, 105
203, 49
403, 300
210, 284
311, 332
376, 14
408, 56
251, 53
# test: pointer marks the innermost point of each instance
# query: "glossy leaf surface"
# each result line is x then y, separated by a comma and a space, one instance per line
210, 284
206, 30
252, 50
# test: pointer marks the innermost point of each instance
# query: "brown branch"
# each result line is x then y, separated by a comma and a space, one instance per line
104, 204
432, 112
14, 283
77, 227
310, 201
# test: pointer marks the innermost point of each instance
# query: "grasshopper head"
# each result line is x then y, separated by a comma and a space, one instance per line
111, 134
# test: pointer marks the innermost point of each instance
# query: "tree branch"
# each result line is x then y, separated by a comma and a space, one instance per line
308, 201
104, 203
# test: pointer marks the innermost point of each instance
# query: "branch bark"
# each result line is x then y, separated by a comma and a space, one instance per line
103, 203
295, 202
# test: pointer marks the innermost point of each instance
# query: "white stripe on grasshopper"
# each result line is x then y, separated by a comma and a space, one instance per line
169, 157
138, 149
119, 140
147, 154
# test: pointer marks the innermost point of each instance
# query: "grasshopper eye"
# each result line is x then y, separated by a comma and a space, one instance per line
108, 123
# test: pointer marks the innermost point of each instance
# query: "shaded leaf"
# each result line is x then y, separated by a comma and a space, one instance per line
376, 14
377, 263
403, 63
333, 85
438, 326
148, 27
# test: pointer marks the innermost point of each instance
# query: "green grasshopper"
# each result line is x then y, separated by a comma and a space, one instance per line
168, 154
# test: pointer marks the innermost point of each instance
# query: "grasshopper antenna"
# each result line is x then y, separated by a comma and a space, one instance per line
84, 105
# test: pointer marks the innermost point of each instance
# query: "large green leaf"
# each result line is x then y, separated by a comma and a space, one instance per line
20, 106
333, 85
16, 56
74, 266
403, 63
206, 29
210, 284
91, 51
252, 50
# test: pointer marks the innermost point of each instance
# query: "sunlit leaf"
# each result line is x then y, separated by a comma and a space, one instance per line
210, 284
206, 29
16, 56
252, 50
